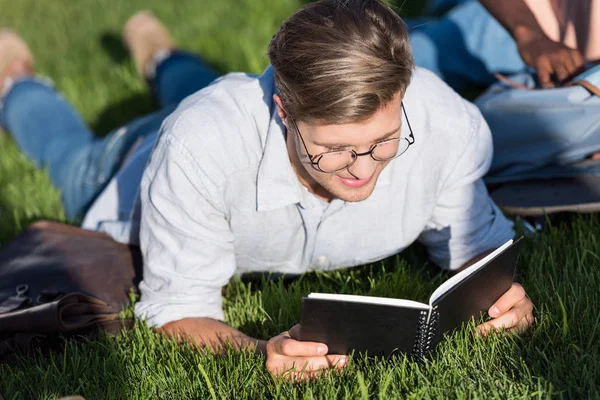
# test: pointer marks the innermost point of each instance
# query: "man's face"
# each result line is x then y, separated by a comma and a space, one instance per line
357, 182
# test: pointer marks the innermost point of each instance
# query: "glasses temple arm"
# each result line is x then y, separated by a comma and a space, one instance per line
408, 122
310, 157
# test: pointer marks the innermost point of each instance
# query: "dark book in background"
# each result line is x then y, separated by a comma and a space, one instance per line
382, 326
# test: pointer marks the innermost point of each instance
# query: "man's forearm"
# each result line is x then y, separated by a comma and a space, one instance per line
213, 334
515, 16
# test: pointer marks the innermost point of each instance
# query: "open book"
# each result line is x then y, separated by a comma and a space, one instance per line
381, 326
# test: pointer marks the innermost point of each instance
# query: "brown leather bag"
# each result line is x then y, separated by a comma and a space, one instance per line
59, 279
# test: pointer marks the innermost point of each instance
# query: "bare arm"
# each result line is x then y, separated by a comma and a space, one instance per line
515, 16
283, 354
536, 49
213, 334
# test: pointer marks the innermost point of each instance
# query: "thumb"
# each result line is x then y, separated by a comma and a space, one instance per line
295, 332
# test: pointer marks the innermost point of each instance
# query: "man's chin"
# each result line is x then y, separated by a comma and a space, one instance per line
354, 195
350, 194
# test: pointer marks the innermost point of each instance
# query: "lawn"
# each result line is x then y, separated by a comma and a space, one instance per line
76, 42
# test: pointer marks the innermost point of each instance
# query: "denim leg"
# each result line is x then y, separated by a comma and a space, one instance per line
178, 76
436, 6
101, 160
43, 124
466, 46
50, 132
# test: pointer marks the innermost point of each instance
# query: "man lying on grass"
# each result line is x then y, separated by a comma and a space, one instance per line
311, 165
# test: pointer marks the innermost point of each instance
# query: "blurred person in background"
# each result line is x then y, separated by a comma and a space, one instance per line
476, 39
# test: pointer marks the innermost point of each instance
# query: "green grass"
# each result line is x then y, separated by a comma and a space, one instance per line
76, 43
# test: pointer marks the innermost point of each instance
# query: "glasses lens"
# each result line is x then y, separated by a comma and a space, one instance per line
336, 161
390, 149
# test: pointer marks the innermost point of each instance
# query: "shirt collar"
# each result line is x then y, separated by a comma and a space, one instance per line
277, 184
385, 177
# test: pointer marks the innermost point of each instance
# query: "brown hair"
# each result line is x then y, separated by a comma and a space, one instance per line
339, 61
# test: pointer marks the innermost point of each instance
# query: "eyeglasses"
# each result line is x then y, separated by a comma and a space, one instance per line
334, 161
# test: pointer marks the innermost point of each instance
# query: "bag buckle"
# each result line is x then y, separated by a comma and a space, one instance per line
22, 290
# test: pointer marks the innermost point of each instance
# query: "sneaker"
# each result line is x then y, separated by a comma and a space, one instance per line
144, 35
15, 57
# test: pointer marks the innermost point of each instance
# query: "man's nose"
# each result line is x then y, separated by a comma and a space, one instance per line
363, 167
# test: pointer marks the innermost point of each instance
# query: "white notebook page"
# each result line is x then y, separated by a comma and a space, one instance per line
369, 300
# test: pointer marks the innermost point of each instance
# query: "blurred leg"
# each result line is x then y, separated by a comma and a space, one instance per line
49, 131
172, 74
179, 75
437, 6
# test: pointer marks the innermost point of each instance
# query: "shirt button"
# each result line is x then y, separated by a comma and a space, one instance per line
322, 262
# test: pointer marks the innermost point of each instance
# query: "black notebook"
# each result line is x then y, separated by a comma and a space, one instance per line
382, 326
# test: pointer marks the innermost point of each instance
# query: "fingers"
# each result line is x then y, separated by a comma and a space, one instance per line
515, 294
523, 324
564, 63
577, 60
562, 70
550, 58
544, 71
295, 332
337, 361
294, 348
313, 367
305, 367
315, 364
512, 311
518, 318
292, 358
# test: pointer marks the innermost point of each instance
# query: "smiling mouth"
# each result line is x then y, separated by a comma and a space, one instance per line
354, 183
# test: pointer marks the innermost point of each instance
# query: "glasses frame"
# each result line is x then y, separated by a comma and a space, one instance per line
314, 159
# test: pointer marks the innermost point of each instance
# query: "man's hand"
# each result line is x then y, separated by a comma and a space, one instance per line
512, 311
300, 360
549, 58
536, 49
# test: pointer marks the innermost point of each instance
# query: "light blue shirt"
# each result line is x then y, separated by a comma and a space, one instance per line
219, 197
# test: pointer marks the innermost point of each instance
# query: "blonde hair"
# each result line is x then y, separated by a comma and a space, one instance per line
339, 61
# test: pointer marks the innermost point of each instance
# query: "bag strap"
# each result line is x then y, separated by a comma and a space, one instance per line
510, 82
593, 89
589, 86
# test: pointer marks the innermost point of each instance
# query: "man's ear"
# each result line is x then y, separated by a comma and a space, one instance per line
280, 110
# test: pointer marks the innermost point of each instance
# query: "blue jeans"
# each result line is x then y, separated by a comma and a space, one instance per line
50, 132
465, 47
438, 6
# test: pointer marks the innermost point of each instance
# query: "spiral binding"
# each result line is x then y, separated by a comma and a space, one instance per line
426, 332
432, 329
422, 330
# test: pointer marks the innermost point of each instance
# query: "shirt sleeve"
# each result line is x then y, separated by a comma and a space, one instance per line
465, 221
185, 238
